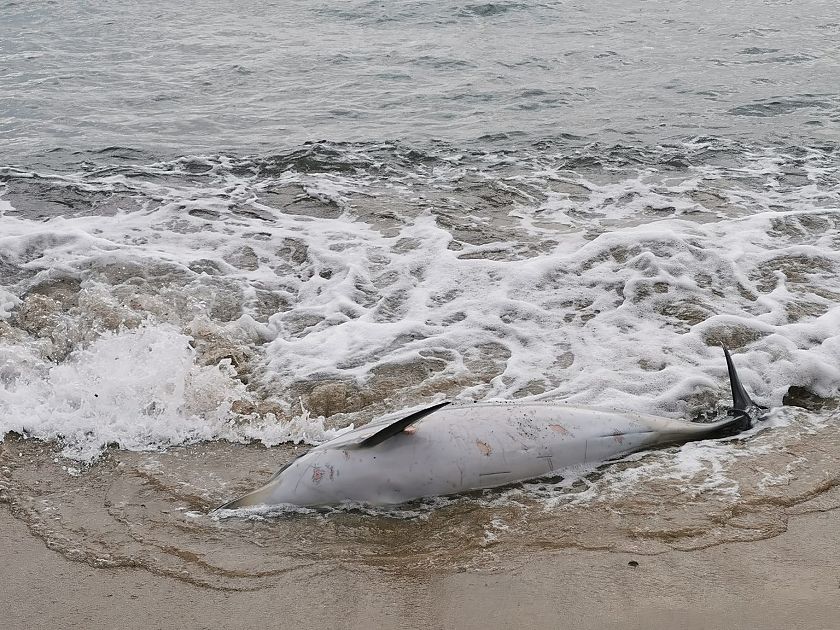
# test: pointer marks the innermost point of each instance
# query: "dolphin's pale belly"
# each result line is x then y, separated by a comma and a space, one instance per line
464, 448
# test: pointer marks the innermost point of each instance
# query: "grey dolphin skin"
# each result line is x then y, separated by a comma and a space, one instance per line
451, 449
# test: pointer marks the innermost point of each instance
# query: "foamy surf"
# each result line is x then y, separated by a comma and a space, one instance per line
136, 389
204, 298
178, 310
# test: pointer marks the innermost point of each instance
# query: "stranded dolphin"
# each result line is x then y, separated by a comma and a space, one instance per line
481, 445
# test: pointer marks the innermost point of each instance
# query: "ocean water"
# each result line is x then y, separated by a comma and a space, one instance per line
224, 226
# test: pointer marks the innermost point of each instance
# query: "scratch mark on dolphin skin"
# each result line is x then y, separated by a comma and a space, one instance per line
619, 437
484, 447
559, 428
317, 474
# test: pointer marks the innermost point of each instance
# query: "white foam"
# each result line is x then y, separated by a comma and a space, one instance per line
8, 302
136, 389
608, 295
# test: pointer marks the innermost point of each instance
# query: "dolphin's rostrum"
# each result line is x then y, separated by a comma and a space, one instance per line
457, 448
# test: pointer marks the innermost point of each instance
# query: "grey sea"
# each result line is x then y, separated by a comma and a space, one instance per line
228, 230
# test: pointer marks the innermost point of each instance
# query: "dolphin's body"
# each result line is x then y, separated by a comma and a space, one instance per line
454, 449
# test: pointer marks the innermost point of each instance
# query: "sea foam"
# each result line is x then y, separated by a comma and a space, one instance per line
361, 290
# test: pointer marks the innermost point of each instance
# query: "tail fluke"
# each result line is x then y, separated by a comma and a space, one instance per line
743, 408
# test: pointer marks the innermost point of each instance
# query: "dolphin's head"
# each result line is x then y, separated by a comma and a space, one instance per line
287, 485
365, 465
322, 476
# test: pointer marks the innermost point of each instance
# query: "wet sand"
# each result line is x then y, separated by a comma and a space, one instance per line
789, 581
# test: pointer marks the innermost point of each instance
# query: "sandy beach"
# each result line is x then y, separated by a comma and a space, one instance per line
790, 581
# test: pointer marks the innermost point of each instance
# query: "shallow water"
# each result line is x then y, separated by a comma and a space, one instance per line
226, 229
272, 298
152, 510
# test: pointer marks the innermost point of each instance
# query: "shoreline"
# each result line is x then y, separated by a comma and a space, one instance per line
788, 581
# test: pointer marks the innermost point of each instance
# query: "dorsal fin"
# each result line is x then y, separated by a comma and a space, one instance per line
740, 398
398, 425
